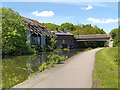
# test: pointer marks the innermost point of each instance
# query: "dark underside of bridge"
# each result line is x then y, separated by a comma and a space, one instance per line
92, 40
91, 44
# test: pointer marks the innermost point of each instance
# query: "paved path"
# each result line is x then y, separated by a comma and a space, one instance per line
75, 73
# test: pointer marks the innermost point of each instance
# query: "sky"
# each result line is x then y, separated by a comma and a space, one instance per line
102, 14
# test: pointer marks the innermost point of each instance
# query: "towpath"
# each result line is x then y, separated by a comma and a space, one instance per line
76, 72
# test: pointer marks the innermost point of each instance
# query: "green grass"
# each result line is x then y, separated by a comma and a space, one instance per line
84, 50
63, 49
106, 68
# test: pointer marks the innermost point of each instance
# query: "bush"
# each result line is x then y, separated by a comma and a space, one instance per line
43, 67
51, 45
115, 35
116, 41
94, 44
52, 60
14, 35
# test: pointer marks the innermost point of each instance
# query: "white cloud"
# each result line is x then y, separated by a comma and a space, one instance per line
93, 20
87, 8
43, 13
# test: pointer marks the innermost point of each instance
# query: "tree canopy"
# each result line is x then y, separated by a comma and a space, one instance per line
13, 32
75, 29
115, 35
50, 26
87, 29
114, 32
68, 26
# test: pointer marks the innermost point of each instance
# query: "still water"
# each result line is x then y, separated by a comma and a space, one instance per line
17, 69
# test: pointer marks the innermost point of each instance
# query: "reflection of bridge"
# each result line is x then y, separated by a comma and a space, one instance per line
81, 39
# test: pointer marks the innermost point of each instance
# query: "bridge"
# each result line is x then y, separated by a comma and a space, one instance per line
92, 37
81, 40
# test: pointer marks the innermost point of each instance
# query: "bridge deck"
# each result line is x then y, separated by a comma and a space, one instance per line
92, 37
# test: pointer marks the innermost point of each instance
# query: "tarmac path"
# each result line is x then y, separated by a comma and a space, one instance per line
76, 72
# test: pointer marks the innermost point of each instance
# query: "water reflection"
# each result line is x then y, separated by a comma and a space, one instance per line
17, 69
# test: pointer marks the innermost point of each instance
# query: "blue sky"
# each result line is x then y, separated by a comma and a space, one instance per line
102, 14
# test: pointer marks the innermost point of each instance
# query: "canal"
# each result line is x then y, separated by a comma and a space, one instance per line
19, 68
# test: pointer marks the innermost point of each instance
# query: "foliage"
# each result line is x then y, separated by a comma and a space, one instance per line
14, 71
115, 35
52, 60
114, 32
51, 45
87, 29
88, 49
43, 67
116, 41
68, 26
84, 50
13, 32
50, 26
19, 68
75, 29
106, 67
94, 44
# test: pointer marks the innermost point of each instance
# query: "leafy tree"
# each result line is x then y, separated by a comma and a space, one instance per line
87, 29
116, 41
52, 44
115, 35
50, 26
68, 26
13, 32
114, 32
75, 29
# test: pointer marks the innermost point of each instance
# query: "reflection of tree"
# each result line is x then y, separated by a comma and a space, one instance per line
29, 66
34, 62
14, 71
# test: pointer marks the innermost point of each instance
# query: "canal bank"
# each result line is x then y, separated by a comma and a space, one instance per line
77, 69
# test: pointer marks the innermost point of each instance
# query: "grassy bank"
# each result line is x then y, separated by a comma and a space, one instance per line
106, 68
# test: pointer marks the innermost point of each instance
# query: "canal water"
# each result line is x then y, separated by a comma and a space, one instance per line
17, 69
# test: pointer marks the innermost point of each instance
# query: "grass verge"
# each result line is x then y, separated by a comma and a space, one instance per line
106, 68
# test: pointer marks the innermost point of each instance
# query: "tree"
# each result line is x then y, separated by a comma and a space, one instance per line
102, 31
116, 41
50, 26
13, 32
52, 44
68, 26
114, 32
115, 35
87, 29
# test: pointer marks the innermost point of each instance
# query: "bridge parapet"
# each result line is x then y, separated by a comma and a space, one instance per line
92, 37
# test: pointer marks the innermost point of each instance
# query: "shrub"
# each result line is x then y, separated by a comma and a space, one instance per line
51, 45
116, 41
52, 60
14, 35
43, 67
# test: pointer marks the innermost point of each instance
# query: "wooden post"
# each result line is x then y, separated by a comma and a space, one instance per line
37, 39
